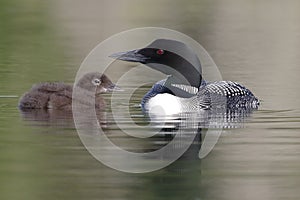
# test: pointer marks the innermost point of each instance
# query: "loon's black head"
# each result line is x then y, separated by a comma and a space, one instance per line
170, 57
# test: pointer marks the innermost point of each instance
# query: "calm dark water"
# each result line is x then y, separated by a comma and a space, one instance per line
255, 43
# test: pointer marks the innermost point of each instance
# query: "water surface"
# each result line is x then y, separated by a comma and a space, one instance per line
255, 43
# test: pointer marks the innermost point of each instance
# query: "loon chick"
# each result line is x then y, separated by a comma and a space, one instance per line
185, 86
58, 95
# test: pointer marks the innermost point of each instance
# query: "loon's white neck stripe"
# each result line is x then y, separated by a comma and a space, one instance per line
186, 88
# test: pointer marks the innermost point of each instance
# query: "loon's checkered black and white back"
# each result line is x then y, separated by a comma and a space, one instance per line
226, 93
219, 94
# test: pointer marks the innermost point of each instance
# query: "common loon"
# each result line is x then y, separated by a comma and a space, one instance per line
58, 95
184, 90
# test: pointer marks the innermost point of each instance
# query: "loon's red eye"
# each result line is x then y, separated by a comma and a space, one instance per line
160, 52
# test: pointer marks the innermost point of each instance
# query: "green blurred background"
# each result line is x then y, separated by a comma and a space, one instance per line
254, 42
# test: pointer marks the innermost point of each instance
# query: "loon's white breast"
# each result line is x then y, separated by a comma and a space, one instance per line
164, 104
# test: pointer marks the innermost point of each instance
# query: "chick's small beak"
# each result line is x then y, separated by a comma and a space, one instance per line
113, 88
131, 56
108, 88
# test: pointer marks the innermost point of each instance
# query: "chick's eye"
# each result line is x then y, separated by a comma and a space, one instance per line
160, 52
96, 81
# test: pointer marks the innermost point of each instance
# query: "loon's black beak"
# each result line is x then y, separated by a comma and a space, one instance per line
131, 56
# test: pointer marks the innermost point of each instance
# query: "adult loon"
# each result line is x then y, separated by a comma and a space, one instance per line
184, 90
58, 95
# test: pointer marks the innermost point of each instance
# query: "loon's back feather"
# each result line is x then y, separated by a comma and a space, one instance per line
229, 93
225, 94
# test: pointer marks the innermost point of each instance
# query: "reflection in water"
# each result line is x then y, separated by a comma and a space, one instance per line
43, 115
53, 117
211, 121
209, 118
